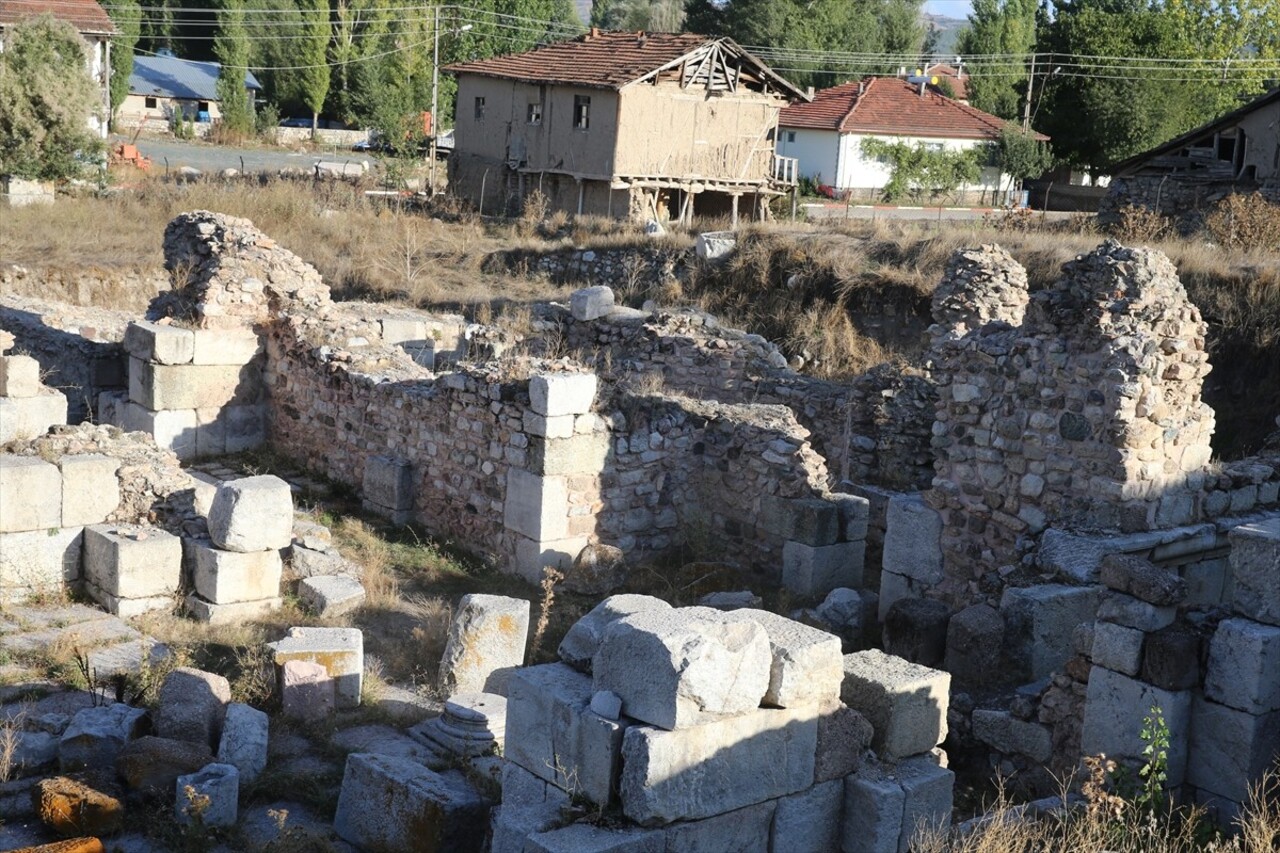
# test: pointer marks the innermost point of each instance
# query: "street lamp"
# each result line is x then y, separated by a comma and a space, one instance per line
435, 88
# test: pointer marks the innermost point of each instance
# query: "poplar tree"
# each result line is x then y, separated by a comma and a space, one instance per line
231, 47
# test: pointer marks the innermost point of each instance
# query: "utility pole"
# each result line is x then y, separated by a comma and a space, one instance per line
435, 89
1031, 84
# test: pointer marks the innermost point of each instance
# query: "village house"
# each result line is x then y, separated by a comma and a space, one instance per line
164, 87
826, 134
94, 26
1239, 152
953, 76
644, 126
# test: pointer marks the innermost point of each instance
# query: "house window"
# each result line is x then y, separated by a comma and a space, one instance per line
203, 107
581, 111
934, 146
150, 103
535, 113
791, 136
479, 109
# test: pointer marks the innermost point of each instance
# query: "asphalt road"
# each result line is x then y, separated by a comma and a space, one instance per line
174, 154
839, 211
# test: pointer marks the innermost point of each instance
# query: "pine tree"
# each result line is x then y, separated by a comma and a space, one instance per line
312, 57
231, 47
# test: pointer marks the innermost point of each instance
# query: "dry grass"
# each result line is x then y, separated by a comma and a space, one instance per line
10, 736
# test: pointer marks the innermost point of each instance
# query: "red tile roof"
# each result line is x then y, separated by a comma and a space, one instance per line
892, 106
606, 60
85, 15
959, 84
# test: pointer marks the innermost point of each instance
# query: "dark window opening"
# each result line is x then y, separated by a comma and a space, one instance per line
150, 103
479, 109
535, 113
581, 112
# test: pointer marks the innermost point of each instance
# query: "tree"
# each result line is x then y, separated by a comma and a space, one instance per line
919, 172
661, 16
999, 27
358, 30
312, 57
231, 47
46, 99
127, 16
1020, 155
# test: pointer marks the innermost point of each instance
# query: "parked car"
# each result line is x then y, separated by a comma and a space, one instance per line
296, 121
377, 145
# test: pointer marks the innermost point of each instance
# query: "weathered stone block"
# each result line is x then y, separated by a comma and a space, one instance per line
677, 668
855, 516
537, 507
916, 629
128, 608
174, 429
806, 664
127, 561
90, 488
245, 427
228, 614
35, 562
213, 793
583, 639
843, 738
1039, 622
30, 494
560, 426
585, 838
1134, 613
192, 705
533, 557
589, 303
745, 830
252, 514
211, 432
912, 540
577, 454
28, 417
153, 764
1255, 565
392, 803
339, 650
975, 640
1244, 666
1143, 579
1207, 582
1230, 749
228, 346
1171, 658
739, 761
1114, 708
187, 386
812, 571
79, 804
927, 799
19, 376
388, 482
330, 595
225, 577
486, 644
1117, 647
562, 393
873, 808
894, 588
810, 521
159, 343
243, 744
95, 736
306, 691
905, 703
850, 614
1002, 731
552, 733
809, 822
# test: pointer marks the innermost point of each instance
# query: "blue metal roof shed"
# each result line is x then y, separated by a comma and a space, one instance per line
184, 79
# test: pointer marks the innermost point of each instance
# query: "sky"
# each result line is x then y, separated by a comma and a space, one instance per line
950, 8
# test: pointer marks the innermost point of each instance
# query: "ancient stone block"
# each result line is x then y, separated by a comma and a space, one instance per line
339, 650
560, 426
173, 429
855, 516
244, 740
598, 569
1039, 622
330, 595
192, 705
392, 803
227, 614
809, 822
590, 303
388, 482
577, 454
533, 557
229, 346
1244, 666
894, 588
225, 577
486, 644
809, 521
245, 427
537, 507
1002, 731
581, 838
806, 664
28, 417
1143, 579
30, 494
152, 764
739, 761
1230, 749
905, 703
676, 668
916, 629
583, 639
128, 561
35, 562
745, 830
252, 514
1255, 565
562, 393
975, 639
552, 733
90, 488
843, 737
1117, 648
95, 736
1207, 581
811, 571
159, 387
212, 793
1171, 658
80, 804
873, 807
307, 691
211, 432
927, 799
158, 343
1114, 709
1135, 613
912, 540
19, 376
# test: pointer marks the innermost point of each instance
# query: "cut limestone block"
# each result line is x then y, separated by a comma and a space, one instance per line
1135, 613
581, 837
676, 668
552, 733
192, 705
562, 393
583, 640
330, 595
152, 764
1244, 666
245, 427
391, 803
810, 521
95, 736
913, 540
809, 822
486, 644
19, 376
1171, 657
158, 343
975, 642
1004, 732
855, 516
1117, 647
843, 738
1255, 565
90, 488
229, 614
225, 577
744, 830
1115, 706
532, 558
927, 799
811, 571
590, 303
388, 482
129, 561
210, 796
306, 690
128, 608
1229, 749
873, 807
537, 507
739, 761
172, 429
806, 663
906, 703
244, 740
252, 514
29, 417
1143, 579
162, 387
30, 494
339, 650
225, 346
39, 562
1039, 622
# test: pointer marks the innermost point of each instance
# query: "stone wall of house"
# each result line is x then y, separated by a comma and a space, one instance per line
1186, 201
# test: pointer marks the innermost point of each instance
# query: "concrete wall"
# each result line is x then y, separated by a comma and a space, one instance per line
815, 150
858, 171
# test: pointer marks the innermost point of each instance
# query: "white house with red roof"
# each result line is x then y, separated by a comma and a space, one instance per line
826, 134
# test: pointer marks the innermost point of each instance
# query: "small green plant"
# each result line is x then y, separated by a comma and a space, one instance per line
1151, 795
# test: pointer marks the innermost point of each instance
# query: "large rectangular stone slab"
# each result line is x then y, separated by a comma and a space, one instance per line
229, 614
744, 830
562, 393
29, 417
552, 733
90, 488
1244, 666
1115, 706
913, 539
809, 822
36, 563
388, 482
906, 703
30, 494
806, 663
873, 808
585, 838
1230, 749
19, 376
813, 571
172, 429
128, 561
190, 386
810, 521
537, 507
162, 344
576, 454
709, 769
393, 803
1255, 570
1039, 622
486, 644
339, 650
225, 346
225, 577
252, 514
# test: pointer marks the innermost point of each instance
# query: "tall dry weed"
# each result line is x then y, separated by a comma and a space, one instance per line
1246, 222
